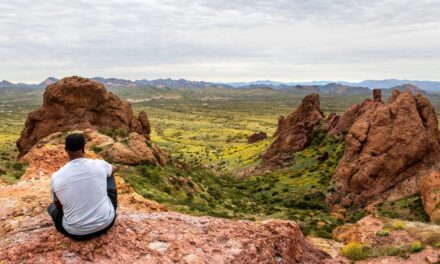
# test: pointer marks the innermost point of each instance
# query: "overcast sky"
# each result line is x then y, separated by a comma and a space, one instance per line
220, 40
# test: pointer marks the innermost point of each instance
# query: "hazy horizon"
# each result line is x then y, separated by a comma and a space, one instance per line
217, 41
221, 82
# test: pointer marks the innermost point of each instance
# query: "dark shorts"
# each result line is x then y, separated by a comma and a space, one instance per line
57, 215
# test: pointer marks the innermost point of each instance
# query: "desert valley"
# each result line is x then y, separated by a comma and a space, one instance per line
212, 173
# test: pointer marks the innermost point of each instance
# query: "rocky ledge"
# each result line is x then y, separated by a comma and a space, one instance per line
165, 238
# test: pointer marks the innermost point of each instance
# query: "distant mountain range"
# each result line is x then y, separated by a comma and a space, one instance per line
341, 87
114, 82
384, 84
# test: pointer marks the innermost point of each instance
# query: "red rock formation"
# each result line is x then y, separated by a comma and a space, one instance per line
430, 190
294, 133
377, 95
79, 103
331, 121
256, 137
388, 149
349, 117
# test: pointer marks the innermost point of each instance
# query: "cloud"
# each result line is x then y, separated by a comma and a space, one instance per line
220, 40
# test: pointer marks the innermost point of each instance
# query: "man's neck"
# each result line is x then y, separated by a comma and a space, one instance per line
75, 155
74, 158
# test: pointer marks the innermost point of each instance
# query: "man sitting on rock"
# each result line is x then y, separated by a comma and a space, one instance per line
84, 193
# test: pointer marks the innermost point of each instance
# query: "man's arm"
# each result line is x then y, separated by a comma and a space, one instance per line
56, 202
114, 169
58, 205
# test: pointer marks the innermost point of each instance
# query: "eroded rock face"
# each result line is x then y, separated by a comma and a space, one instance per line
79, 103
430, 190
256, 137
346, 121
331, 121
388, 150
294, 132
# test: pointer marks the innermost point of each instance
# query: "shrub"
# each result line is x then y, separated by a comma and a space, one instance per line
416, 246
356, 251
96, 149
398, 225
395, 251
383, 233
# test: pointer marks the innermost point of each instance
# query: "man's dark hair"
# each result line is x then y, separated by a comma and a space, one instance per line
75, 142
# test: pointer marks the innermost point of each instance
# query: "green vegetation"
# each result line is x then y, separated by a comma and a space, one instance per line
12, 122
416, 246
296, 192
409, 208
383, 233
114, 133
359, 251
356, 251
398, 225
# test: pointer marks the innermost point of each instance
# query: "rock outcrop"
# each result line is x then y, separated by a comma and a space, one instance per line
256, 137
143, 232
294, 133
389, 148
331, 121
430, 190
165, 238
346, 121
79, 103
134, 150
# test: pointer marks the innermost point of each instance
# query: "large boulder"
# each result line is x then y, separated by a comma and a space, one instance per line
388, 150
79, 103
430, 190
294, 133
257, 137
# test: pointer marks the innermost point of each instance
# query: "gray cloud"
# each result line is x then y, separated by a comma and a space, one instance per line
220, 40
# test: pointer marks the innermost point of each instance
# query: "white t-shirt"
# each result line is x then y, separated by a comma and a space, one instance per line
81, 187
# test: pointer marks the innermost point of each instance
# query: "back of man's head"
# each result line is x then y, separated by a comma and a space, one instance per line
75, 142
